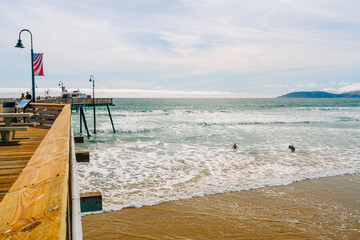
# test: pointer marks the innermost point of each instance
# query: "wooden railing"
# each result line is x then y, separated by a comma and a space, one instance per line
50, 100
36, 206
44, 113
79, 101
6, 100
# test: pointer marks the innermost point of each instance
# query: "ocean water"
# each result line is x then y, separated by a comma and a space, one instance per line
171, 149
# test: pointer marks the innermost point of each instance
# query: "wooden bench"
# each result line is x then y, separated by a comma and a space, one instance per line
21, 124
7, 133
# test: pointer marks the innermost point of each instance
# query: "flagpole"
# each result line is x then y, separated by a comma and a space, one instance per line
32, 72
19, 45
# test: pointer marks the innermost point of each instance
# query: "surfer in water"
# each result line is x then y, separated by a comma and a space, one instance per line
235, 146
292, 148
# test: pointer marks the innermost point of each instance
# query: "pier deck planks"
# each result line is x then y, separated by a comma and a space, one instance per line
15, 155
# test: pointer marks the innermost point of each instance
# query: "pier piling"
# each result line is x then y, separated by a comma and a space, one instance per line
111, 118
82, 115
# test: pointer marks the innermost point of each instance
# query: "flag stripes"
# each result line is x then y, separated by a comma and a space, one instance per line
38, 64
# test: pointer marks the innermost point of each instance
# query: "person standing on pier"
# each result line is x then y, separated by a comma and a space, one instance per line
28, 95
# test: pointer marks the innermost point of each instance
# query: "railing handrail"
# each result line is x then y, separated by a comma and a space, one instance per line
36, 205
76, 226
89, 101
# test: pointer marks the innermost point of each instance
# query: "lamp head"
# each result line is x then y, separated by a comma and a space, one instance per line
19, 44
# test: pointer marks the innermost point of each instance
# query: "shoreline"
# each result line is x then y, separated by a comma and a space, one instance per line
311, 209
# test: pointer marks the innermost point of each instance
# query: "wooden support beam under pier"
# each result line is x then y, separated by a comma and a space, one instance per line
83, 156
79, 139
91, 202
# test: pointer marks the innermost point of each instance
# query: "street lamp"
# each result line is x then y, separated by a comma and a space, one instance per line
47, 93
20, 45
62, 87
93, 82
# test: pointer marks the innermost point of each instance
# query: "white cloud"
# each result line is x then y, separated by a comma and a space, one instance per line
183, 44
330, 90
311, 84
210, 44
141, 93
123, 93
193, 38
344, 83
123, 83
350, 88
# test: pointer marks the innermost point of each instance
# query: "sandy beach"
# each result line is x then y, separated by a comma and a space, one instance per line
327, 208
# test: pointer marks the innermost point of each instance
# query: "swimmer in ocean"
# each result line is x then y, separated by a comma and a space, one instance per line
292, 148
234, 146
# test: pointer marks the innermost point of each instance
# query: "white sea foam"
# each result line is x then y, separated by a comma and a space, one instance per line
163, 157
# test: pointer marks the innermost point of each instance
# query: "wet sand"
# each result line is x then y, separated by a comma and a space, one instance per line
327, 208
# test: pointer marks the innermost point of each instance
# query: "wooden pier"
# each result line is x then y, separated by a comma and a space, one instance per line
35, 179
80, 102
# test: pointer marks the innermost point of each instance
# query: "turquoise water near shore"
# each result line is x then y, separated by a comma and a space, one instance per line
169, 149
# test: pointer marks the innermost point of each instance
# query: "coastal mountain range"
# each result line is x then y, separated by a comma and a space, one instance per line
321, 94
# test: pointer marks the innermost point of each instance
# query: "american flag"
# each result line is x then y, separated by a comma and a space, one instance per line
38, 64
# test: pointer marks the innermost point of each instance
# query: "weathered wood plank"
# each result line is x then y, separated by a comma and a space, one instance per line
18, 154
21, 124
90, 202
46, 105
79, 139
7, 129
82, 156
12, 163
49, 111
54, 161
46, 116
6, 179
83, 101
42, 121
36, 205
44, 113
12, 166
7, 172
34, 213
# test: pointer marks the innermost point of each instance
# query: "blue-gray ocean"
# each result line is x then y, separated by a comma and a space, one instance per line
170, 149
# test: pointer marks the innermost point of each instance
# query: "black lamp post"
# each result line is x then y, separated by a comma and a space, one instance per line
61, 84
20, 45
93, 82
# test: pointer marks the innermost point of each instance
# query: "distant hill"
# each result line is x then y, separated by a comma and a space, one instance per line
320, 94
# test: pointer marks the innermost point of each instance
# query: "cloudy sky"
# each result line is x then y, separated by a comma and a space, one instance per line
219, 48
